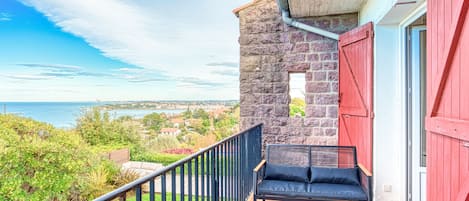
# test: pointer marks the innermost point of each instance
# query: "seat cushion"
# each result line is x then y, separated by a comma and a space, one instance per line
336, 191
286, 173
282, 188
334, 175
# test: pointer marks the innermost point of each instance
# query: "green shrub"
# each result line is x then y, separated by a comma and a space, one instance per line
155, 121
297, 107
39, 162
162, 158
125, 177
162, 143
96, 128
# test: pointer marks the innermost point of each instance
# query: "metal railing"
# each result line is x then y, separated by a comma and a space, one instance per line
222, 171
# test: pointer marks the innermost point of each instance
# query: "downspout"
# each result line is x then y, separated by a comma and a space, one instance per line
283, 5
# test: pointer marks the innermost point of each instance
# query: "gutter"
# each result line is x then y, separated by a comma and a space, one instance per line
284, 9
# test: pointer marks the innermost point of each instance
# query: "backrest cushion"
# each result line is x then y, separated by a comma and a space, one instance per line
286, 173
335, 175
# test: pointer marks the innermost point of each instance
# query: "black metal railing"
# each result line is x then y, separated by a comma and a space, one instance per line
222, 171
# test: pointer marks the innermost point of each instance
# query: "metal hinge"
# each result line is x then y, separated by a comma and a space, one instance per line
372, 115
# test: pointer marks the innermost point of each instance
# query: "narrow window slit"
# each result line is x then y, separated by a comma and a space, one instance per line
297, 94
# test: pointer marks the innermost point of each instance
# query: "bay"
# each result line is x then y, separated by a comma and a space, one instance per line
65, 114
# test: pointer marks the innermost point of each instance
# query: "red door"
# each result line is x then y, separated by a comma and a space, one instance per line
447, 121
356, 91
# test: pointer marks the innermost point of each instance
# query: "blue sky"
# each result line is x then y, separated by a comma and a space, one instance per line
87, 50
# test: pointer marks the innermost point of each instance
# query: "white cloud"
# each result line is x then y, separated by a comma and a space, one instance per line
28, 77
5, 16
176, 39
51, 66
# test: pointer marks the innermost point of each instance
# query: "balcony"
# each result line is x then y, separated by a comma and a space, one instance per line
221, 171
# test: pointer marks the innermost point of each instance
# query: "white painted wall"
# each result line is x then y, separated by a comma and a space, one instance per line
389, 161
389, 140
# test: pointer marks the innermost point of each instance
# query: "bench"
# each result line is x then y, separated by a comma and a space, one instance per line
311, 172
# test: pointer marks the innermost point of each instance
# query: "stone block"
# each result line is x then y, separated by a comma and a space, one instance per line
332, 111
326, 99
294, 58
327, 123
315, 111
318, 87
325, 56
298, 67
320, 76
301, 48
313, 57
329, 65
330, 131
311, 122
281, 87
281, 110
297, 36
324, 46
333, 76
249, 63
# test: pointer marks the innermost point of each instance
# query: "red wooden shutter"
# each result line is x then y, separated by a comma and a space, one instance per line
447, 121
356, 91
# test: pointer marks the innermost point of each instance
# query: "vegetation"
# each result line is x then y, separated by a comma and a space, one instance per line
297, 107
96, 128
155, 121
40, 162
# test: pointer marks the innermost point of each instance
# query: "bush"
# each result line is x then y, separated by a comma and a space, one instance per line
97, 129
125, 177
155, 121
162, 158
162, 143
297, 107
39, 162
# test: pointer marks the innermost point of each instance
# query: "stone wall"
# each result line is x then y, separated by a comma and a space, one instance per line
270, 50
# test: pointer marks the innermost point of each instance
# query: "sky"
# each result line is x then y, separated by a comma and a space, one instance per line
118, 50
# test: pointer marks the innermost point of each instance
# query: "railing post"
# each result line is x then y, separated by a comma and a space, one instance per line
214, 176
152, 189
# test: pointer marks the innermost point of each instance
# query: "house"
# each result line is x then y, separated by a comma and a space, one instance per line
170, 131
386, 76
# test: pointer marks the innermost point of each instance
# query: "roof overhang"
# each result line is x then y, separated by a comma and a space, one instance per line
311, 8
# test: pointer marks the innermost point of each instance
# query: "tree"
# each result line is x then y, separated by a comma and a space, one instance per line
155, 121
200, 114
187, 114
96, 128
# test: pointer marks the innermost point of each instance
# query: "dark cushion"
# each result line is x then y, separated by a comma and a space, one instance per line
334, 175
336, 191
282, 188
286, 173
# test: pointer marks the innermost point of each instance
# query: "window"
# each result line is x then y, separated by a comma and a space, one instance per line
297, 94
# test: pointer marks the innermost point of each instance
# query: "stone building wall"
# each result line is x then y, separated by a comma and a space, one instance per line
270, 50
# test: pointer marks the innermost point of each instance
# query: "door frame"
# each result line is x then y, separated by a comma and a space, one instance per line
417, 13
415, 75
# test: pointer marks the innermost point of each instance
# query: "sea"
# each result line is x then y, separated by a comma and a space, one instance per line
65, 114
